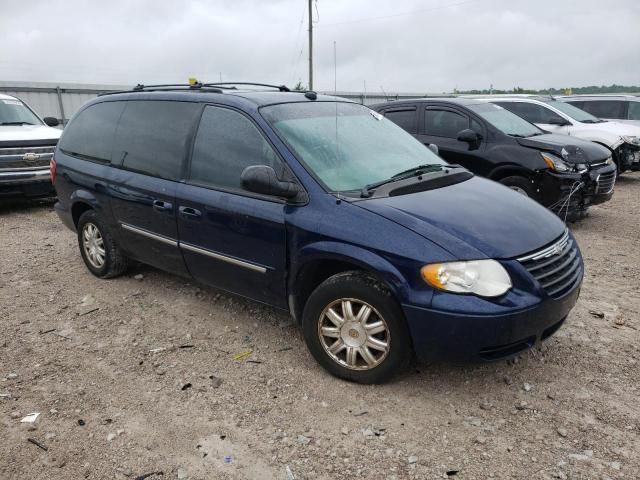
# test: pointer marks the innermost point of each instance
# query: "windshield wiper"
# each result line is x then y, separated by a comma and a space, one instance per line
588, 120
16, 123
410, 172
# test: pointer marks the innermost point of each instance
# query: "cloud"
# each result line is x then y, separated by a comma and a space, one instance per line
410, 45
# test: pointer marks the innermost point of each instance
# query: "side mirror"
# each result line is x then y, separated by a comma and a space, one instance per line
469, 136
434, 148
263, 179
558, 121
51, 121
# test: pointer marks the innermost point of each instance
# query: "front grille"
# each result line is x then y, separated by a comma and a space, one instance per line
557, 267
606, 182
25, 158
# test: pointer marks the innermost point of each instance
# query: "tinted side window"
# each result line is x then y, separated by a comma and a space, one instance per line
90, 134
605, 108
476, 127
227, 142
444, 123
531, 112
634, 111
407, 119
152, 137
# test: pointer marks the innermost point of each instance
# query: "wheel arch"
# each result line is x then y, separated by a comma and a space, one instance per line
504, 171
81, 201
321, 261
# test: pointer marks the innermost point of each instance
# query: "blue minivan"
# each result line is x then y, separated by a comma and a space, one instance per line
320, 207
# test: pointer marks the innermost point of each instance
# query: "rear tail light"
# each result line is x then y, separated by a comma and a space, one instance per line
53, 170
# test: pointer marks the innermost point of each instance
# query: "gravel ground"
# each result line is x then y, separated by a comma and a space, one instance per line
150, 373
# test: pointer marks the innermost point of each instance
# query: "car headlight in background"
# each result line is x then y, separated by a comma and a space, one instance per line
558, 165
486, 278
631, 139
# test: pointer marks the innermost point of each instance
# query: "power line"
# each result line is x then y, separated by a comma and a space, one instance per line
422, 10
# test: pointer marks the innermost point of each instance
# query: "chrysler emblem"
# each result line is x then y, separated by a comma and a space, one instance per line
30, 157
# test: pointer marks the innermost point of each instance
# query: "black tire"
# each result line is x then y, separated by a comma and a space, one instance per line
115, 262
520, 184
356, 287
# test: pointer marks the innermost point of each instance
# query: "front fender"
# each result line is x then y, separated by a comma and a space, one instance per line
369, 261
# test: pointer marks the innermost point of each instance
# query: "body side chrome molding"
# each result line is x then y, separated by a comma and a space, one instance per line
224, 258
194, 249
154, 236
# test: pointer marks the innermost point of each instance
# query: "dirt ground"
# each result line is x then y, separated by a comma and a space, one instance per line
152, 373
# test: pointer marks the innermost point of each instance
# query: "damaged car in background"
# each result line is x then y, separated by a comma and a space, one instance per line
555, 116
566, 175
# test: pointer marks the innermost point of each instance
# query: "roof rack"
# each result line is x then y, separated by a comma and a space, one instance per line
166, 87
209, 87
281, 88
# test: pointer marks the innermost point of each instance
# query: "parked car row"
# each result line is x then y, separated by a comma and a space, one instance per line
566, 175
339, 215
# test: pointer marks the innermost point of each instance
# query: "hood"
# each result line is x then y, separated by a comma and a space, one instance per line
474, 219
570, 149
10, 133
616, 128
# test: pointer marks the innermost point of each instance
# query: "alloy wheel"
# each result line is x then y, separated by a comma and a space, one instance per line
93, 245
354, 334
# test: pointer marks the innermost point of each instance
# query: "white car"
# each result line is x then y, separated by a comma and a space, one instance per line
27, 143
619, 108
559, 117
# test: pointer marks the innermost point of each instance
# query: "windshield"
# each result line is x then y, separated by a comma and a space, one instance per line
14, 112
346, 145
573, 112
505, 121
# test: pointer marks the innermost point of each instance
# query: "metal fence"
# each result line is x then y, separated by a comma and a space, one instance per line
55, 100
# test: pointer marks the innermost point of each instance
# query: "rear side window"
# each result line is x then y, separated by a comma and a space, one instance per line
227, 142
605, 108
91, 132
444, 123
152, 137
634, 111
531, 112
406, 119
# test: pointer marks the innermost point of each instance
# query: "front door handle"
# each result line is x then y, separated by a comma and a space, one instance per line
190, 212
161, 206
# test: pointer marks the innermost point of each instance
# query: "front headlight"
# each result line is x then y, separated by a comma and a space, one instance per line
486, 278
631, 139
555, 163
609, 161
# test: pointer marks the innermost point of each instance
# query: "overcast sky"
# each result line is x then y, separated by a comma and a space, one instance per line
404, 45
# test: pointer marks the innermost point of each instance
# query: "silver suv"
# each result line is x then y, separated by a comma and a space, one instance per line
27, 143
621, 108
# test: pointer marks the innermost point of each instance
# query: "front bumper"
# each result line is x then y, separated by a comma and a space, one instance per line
28, 182
449, 335
628, 157
570, 195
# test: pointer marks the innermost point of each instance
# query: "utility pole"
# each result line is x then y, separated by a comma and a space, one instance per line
310, 47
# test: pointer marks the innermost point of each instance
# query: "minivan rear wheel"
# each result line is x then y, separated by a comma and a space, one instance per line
99, 251
355, 329
519, 184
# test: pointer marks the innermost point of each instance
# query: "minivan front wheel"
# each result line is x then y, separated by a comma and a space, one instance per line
355, 329
99, 251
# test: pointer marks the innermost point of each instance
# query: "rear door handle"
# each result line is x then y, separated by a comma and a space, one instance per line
190, 212
161, 206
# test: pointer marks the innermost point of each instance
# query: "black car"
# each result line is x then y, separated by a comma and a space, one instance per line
565, 174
